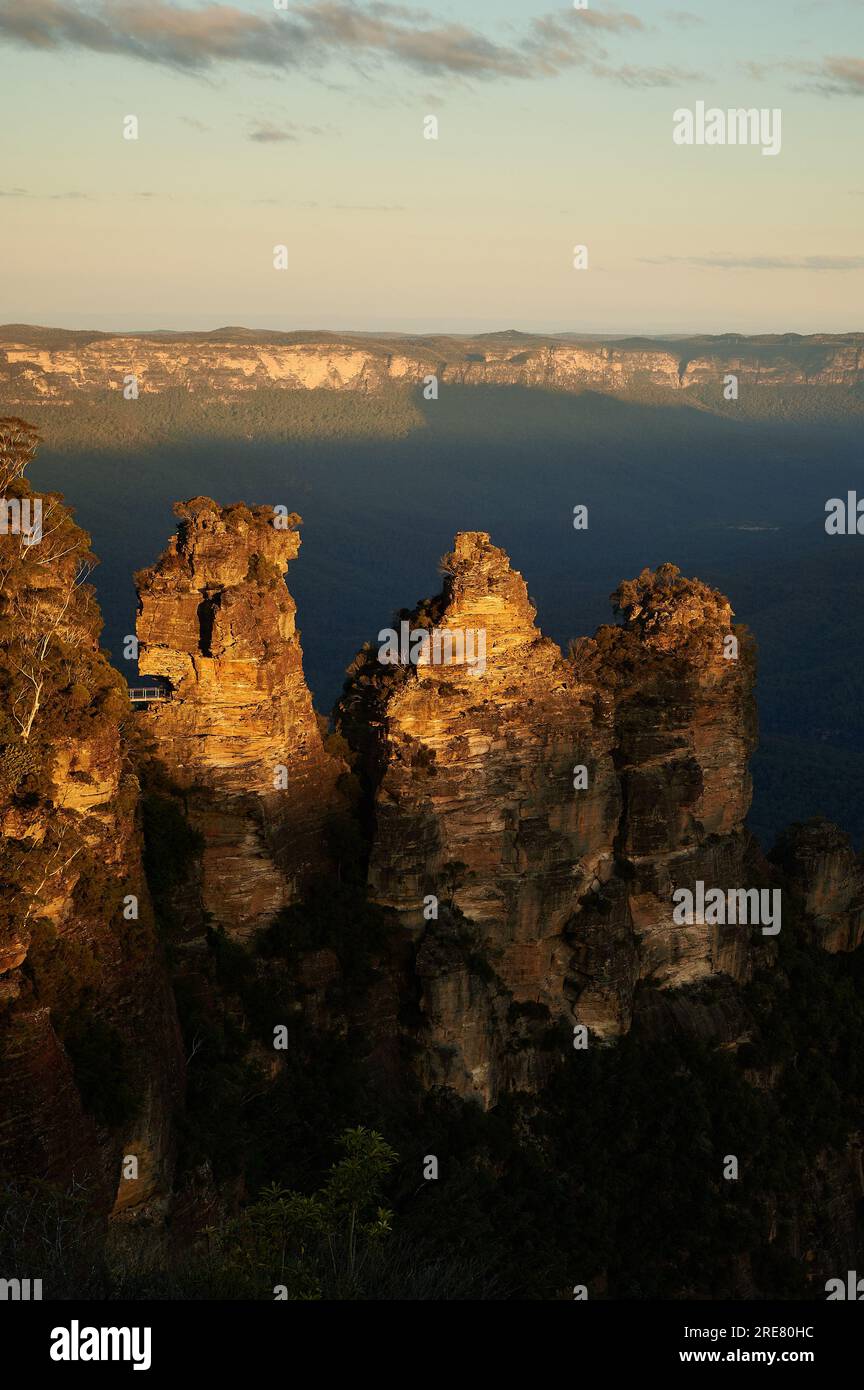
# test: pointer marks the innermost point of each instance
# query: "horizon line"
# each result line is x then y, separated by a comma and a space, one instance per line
618, 334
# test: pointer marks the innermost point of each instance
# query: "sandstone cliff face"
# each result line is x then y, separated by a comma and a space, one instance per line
475, 805
685, 727
820, 866
239, 734
235, 361
485, 759
84, 999
530, 818
561, 879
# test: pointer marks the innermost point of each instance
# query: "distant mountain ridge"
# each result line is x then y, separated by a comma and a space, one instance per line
52, 365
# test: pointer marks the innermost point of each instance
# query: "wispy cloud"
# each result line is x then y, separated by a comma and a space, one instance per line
730, 262
197, 39
25, 193
837, 76
683, 18
646, 77
831, 76
267, 132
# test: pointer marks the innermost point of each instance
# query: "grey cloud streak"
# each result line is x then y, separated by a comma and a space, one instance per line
839, 77
836, 75
307, 35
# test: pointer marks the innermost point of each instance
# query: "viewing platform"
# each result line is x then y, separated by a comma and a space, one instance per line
146, 694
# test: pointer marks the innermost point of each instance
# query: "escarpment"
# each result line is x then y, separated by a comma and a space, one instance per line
90, 1059
51, 365
533, 816
238, 734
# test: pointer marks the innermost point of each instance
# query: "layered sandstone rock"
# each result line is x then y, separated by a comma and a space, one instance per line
45, 365
555, 806
475, 805
90, 1058
682, 679
238, 735
482, 761
820, 866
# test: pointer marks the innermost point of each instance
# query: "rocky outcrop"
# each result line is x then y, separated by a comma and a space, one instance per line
821, 868
90, 1060
475, 808
548, 809
531, 820
238, 735
681, 678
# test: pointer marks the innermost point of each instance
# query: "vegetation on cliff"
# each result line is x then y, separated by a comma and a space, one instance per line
85, 1017
328, 1164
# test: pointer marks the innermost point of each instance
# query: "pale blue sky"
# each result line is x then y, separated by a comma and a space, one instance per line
549, 136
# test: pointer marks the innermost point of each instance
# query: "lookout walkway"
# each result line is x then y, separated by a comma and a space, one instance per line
144, 694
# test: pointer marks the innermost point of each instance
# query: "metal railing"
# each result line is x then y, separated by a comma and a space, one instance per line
143, 694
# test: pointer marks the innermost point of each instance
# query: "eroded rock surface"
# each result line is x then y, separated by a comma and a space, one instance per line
91, 1067
555, 805
39, 365
819, 864
239, 734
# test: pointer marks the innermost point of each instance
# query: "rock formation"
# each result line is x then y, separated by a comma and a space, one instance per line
555, 805
821, 868
238, 735
52, 365
528, 818
475, 804
681, 678
90, 1060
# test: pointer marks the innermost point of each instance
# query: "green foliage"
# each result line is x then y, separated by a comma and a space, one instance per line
334, 916
317, 1245
612, 1176
98, 893
233, 964
103, 420
171, 849
338, 747
50, 1234
78, 696
264, 572
103, 1075
214, 1127
64, 970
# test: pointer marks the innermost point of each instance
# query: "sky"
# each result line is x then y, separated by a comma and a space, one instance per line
265, 123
